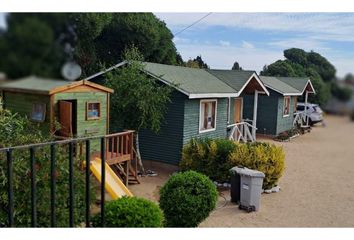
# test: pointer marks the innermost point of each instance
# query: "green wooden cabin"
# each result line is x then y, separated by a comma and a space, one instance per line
81, 107
203, 104
277, 111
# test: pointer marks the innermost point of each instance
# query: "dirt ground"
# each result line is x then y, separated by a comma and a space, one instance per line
317, 189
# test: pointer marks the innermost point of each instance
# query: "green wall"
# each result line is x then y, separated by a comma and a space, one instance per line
270, 118
22, 103
166, 145
87, 127
181, 123
284, 123
191, 120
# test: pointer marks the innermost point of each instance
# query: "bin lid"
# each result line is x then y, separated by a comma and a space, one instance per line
247, 172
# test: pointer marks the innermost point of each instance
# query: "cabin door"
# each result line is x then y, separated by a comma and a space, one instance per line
237, 110
67, 118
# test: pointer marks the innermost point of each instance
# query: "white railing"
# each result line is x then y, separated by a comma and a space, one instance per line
300, 119
242, 131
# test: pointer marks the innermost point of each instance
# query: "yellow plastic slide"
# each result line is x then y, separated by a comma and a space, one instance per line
113, 184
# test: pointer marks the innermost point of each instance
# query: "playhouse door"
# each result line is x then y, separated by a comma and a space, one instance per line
65, 118
237, 110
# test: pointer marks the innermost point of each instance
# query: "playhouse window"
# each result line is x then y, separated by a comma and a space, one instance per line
207, 115
38, 112
286, 110
93, 111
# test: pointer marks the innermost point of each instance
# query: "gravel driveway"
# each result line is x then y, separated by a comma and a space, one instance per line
317, 188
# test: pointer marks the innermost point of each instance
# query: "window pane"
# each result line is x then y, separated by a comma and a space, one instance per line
93, 110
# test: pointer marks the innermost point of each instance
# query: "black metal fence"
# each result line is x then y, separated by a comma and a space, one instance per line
32, 165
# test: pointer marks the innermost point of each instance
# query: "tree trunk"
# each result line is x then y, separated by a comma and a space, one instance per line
138, 156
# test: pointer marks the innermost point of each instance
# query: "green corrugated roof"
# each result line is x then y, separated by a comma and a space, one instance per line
234, 78
34, 84
189, 80
276, 84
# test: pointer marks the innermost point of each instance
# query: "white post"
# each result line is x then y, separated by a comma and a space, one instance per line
255, 107
307, 119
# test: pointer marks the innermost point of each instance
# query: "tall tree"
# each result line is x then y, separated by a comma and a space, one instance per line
40, 43
138, 101
299, 63
236, 66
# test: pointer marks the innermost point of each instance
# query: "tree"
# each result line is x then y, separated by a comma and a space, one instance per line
343, 94
349, 78
299, 63
236, 66
192, 64
138, 101
40, 43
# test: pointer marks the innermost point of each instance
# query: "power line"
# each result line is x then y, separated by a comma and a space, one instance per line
192, 24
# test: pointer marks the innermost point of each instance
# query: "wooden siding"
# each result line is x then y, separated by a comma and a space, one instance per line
266, 112
284, 123
166, 146
22, 104
270, 118
191, 120
86, 127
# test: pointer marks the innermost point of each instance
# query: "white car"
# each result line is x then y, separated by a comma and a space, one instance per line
313, 111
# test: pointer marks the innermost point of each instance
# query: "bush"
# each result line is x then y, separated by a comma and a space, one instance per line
214, 158
263, 157
352, 116
187, 199
131, 212
209, 157
18, 130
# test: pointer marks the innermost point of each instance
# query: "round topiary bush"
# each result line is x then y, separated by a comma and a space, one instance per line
130, 212
187, 199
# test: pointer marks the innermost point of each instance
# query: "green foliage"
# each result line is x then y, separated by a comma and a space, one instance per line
263, 157
343, 94
299, 63
17, 130
215, 158
279, 68
130, 212
209, 157
187, 199
138, 101
196, 63
35, 43
236, 66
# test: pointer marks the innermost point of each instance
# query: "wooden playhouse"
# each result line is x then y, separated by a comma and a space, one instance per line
81, 107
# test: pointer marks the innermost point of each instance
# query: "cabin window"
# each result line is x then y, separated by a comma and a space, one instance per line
295, 104
38, 112
207, 115
286, 109
93, 111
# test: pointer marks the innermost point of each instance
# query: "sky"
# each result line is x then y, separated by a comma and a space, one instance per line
257, 39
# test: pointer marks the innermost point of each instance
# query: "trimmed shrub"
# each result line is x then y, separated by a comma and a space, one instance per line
263, 157
130, 212
187, 199
209, 157
214, 158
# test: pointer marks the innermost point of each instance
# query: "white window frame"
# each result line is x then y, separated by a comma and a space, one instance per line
200, 115
286, 97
